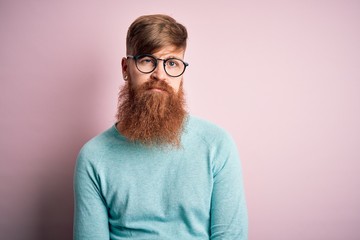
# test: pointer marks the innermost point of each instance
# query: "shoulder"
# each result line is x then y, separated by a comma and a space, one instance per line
207, 131
221, 146
95, 148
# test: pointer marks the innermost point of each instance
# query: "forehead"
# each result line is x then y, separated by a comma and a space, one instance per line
169, 51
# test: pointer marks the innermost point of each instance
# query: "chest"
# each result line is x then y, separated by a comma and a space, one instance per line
162, 185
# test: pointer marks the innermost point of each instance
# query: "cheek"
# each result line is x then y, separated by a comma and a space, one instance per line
137, 80
176, 85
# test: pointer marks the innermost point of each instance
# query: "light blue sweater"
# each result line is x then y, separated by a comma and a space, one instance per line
129, 191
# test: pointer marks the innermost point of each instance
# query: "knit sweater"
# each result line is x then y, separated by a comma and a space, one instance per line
125, 190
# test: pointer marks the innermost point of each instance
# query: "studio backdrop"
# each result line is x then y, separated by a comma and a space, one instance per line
282, 77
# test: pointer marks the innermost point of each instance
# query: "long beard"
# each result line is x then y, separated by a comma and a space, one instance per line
149, 117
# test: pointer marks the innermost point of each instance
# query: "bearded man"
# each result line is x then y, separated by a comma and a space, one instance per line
158, 172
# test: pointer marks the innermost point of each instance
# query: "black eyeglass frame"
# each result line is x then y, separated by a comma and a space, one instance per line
136, 57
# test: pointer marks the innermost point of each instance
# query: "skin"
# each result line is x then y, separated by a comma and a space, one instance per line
131, 73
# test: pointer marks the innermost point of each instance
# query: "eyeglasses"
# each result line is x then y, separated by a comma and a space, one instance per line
147, 63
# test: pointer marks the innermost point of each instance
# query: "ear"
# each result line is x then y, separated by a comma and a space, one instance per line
124, 68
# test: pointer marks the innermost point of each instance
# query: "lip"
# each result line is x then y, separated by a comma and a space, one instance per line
156, 90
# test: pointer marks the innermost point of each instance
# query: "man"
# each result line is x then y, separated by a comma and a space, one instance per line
158, 173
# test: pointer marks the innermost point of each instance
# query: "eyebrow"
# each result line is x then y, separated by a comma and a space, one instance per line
168, 57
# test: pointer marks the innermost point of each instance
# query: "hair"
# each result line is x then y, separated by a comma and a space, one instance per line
149, 33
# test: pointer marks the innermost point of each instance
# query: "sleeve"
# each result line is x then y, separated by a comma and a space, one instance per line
228, 213
90, 215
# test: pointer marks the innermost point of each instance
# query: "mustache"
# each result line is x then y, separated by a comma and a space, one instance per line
162, 85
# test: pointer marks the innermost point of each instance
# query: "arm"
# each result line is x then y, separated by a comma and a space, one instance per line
90, 217
228, 206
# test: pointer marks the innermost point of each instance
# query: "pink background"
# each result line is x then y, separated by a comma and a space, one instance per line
283, 77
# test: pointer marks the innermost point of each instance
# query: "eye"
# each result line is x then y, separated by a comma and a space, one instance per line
146, 60
173, 63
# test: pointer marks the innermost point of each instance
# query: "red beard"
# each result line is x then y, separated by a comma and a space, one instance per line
150, 117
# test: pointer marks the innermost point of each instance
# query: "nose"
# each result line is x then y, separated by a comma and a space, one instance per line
159, 72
